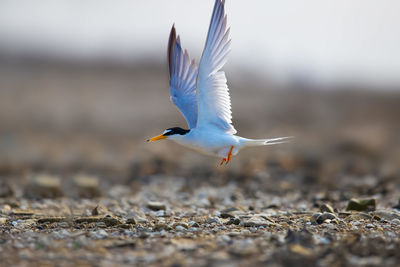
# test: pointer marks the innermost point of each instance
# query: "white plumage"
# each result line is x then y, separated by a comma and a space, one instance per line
202, 95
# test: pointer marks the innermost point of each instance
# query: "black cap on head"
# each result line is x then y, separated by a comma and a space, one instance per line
175, 130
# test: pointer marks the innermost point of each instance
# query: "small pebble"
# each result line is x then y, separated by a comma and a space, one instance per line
326, 208
214, 220
233, 234
100, 234
180, 228
235, 221
255, 222
5, 209
101, 225
193, 224
160, 213
326, 216
153, 205
63, 224
131, 221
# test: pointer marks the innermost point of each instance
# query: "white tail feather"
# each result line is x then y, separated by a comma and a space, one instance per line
267, 142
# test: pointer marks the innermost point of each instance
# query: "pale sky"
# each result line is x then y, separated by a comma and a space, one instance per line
335, 41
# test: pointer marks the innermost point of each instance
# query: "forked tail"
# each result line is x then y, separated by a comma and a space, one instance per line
266, 142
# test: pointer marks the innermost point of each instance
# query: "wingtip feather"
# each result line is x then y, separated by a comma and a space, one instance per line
171, 45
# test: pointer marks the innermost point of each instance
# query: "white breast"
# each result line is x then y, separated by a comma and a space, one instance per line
210, 142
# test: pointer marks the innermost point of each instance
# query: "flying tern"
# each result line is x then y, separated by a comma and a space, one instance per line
202, 95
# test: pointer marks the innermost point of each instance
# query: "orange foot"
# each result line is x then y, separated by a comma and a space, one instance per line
227, 159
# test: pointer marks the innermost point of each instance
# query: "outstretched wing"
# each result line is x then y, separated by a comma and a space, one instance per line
182, 81
214, 104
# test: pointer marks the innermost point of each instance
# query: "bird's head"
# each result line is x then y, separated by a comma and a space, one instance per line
170, 133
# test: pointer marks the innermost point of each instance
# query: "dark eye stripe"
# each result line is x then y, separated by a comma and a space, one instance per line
168, 133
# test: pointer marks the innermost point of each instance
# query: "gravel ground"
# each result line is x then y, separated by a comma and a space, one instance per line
79, 186
170, 221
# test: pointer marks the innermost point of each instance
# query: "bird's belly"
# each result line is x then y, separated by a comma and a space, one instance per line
210, 145
211, 151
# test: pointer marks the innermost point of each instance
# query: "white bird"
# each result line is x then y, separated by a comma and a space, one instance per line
201, 94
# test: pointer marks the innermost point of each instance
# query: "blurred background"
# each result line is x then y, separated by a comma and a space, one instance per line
83, 84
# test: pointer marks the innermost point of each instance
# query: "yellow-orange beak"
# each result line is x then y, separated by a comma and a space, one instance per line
155, 138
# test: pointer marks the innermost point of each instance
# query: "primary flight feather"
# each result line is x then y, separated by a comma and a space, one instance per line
202, 95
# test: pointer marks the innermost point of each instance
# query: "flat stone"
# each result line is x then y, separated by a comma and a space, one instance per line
154, 205
362, 205
52, 220
255, 222
44, 186
108, 220
233, 234
22, 213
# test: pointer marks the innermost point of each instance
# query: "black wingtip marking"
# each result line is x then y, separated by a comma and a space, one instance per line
171, 45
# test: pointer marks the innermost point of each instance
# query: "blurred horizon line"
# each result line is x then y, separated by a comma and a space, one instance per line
146, 63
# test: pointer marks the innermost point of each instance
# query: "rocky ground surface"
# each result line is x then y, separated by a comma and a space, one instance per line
79, 186
161, 220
